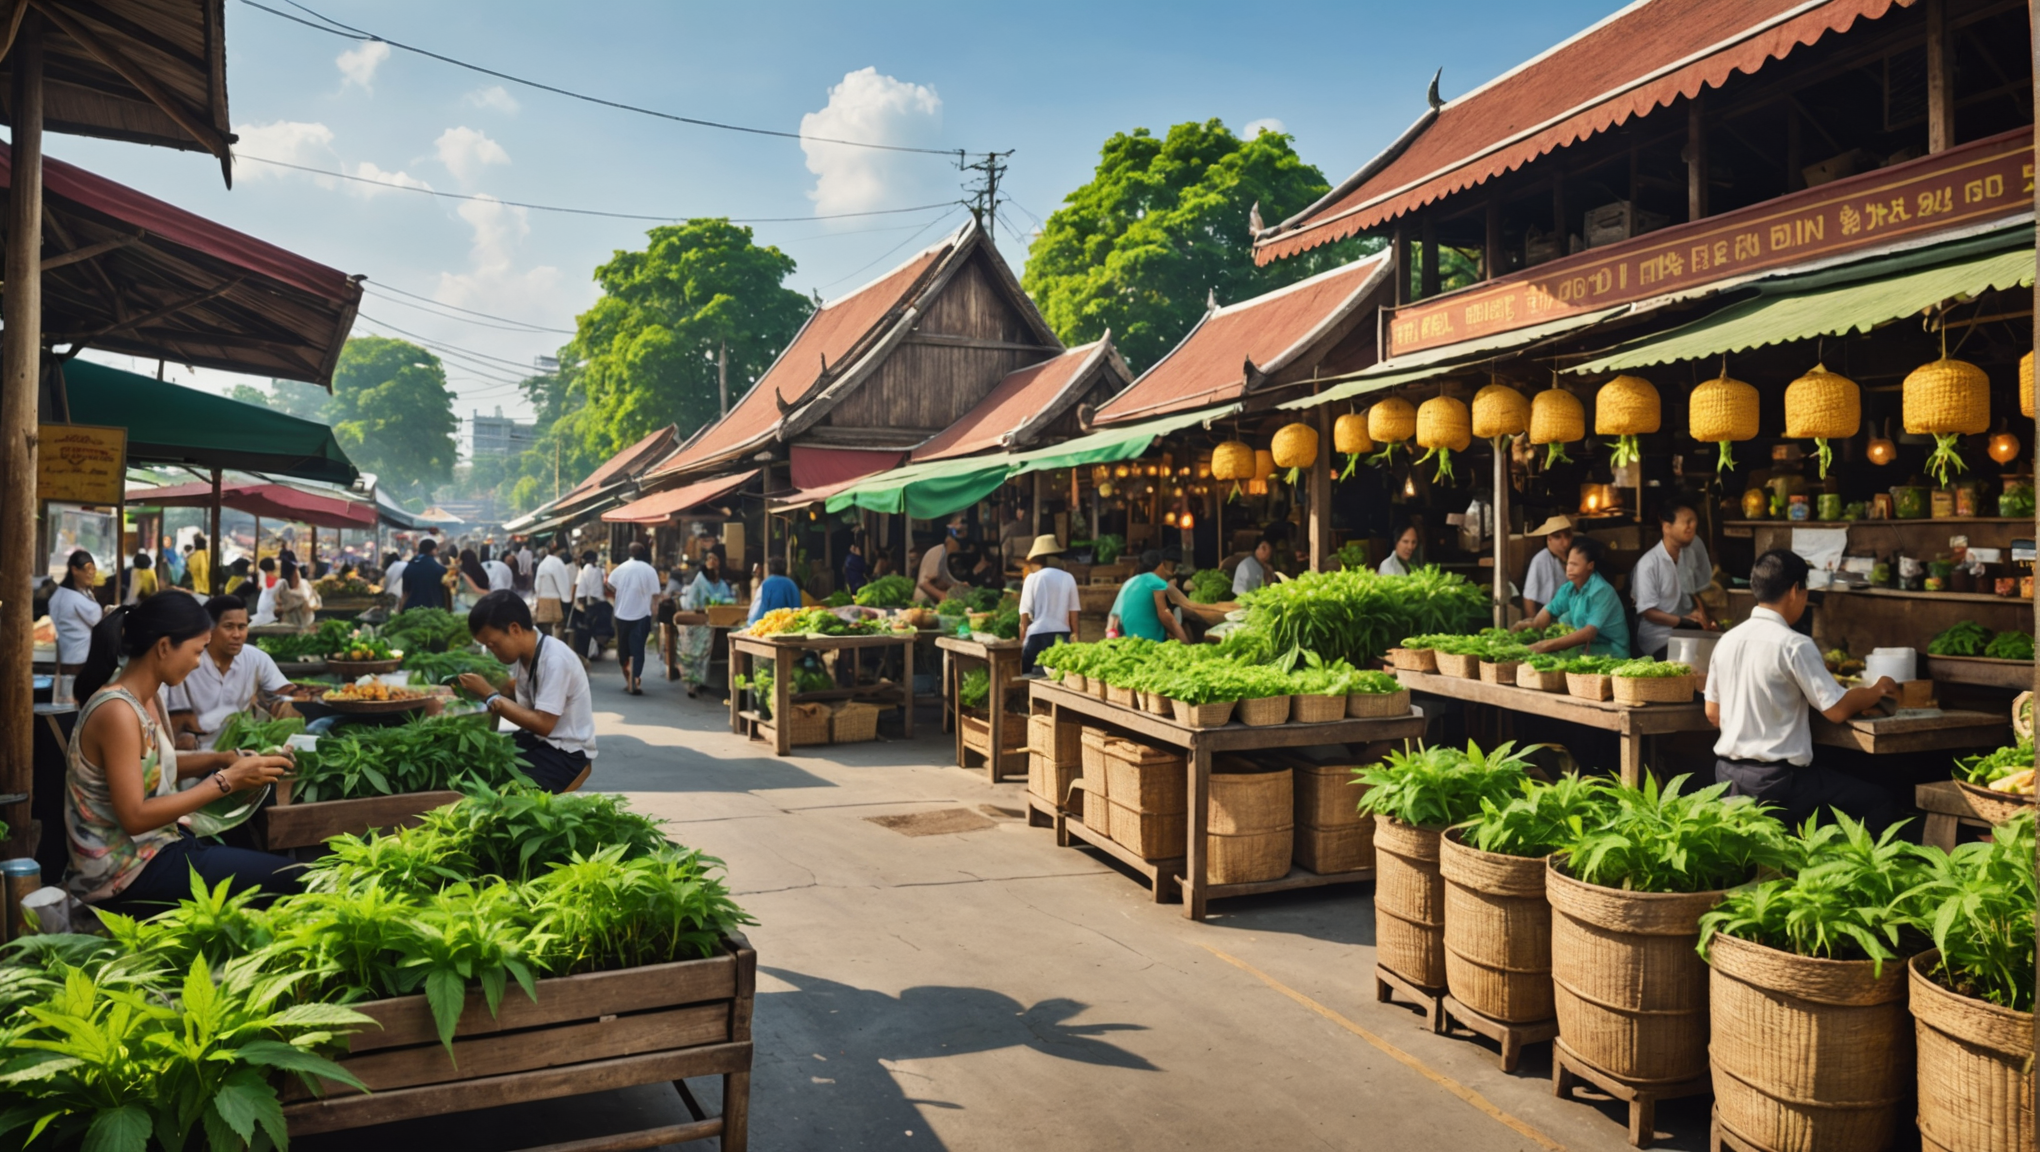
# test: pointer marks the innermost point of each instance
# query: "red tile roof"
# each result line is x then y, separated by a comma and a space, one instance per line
1643, 57
1271, 330
1022, 396
622, 464
836, 330
660, 507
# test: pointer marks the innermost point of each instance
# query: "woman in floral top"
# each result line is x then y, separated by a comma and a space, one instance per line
121, 799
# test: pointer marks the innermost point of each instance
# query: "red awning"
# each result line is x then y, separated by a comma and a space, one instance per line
660, 507
827, 467
269, 501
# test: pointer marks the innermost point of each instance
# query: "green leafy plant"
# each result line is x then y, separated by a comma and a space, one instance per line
1977, 904
1648, 840
1589, 665
840, 598
2010, 646
1967, 638
974, 689
1374, 683
1846, 896
1358, 616
1990, 767
1210, 586
1646, 668
1540, 817
892, 591
1436, 786
424, 754
248, 730
426, 630
1353, 553
329, 637
1945, 458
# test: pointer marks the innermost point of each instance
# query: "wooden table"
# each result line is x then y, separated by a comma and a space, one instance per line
1630, 722
1200, 745
1886, 735
1950, 808
1002, 662
783, 651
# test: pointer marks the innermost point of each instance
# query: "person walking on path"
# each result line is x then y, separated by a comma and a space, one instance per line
696, 642
198, 565
635, 584
592, 619
553, 589
1049, 603
424, 578
550, 702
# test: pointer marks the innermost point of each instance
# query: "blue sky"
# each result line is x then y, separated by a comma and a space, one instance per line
1049, 80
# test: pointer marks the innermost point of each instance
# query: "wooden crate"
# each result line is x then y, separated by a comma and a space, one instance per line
584, 1034
291, 825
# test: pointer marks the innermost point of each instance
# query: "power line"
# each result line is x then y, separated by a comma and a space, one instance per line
349, 32
509, 326
457, 308
902, 244
511, 364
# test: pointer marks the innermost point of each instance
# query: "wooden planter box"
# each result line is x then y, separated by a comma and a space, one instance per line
293, 825
589, 1033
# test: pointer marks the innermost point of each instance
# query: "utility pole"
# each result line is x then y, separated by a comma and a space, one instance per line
722, 374
986, 194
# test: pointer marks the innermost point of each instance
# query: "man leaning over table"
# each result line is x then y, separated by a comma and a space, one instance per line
1586, 603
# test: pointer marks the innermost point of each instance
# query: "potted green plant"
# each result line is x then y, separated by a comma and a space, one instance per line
1648, 681
1373, 695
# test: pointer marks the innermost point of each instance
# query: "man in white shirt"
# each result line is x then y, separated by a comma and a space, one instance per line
550, 702
1761, 679
553, 588
635, 584
1547, 568
934, 581
233, 676
1657, 586
523, 561
1254, 571
1049, 603
501, 578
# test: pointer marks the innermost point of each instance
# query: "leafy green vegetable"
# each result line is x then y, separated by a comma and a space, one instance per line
1646, 668
1540, 818
1357, 616
1990, 767
2010, 646
1210, 586
1587, 665
1674, 841
427, 630
1434, 787
1977, 904
974, 689
1374, 683
840, 598
247, 730
1967, 638
329, 637
445, 667
1846, 897
893, 591
424, 754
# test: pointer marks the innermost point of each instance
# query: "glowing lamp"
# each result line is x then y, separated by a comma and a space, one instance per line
2004, 447
1122, 472
1881, 450
1169, 519
1409, 486
1186, 522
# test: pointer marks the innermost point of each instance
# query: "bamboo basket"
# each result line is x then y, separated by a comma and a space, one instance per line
1588, 686
1822, 405
2025, 385
1096, 688
1063, 744
1996, 807
1076, 682
1630, 991
1409, 903
1156, 704
1499, 410
1232, 460
1497, 932
1556, 417
1145, 779
1149, 835
1264, 711
1251, 834
854, 722
1305, 708
1349, 433
1122, 697
1722, 409
1214, 715
1499, 671
1636, 690
1464, 667
1974, 1091
977, 734
1294, 446
805, 724
1391, 421
1413, 659
1332, 835
1946, 396
1808, 1054
1443, 422
1048, 779
1378, 705
1626, 406
1540, 681
1091, 758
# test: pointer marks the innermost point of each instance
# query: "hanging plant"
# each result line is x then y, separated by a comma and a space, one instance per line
1390, 422
1625, 408
1349, 435
1721, 411
1948, 399
1556, 418
1822, 406
1443, 427
1295, 448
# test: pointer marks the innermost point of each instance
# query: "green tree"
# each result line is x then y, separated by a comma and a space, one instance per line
292, 397
393, 413
1161, 227
645, 354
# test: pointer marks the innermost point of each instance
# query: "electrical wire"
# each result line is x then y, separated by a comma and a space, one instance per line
334, 27
881, 256
509, 326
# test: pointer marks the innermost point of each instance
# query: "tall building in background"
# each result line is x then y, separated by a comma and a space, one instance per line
498, 435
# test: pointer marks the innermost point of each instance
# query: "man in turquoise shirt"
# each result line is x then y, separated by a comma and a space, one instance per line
1142, 608
1587, 603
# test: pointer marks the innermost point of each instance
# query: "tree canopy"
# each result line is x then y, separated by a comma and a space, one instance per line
1161, 227
393, 413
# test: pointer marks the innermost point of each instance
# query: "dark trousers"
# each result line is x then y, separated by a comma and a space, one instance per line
550, 767
630, 644
1800, 792
166, 878
1032, 648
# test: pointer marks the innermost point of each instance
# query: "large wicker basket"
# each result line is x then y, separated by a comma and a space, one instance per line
1588, 685
1063, 744
1636, 690
1807, 1053
1305, 708
805, 724
1378, 705
1252, 826
1464, 667
1264, 711
1413, 659
1497, 932
1974, 1089
1409, 903
1499, 672
1214, 715
854, 722
1332, 835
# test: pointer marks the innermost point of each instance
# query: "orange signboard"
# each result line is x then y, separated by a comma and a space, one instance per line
1975, 183
81, 464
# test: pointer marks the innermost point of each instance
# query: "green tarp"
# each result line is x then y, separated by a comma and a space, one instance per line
171, 424
1418, 366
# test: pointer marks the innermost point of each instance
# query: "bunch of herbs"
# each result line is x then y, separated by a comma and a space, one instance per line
1436, 786
1647, 840
1848, 895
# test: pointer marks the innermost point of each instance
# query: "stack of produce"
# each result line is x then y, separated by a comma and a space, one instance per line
1356, 616
426, 630
426, 754
2008, 770
886, 592
328, 639
1968, 638
336, 586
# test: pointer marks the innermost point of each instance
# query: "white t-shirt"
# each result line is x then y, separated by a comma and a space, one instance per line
75, 614
265, 607
588, 586
1249, 576
934, 569
1657, 583
1763, 676
1393, 566
501, 578
1546, 573
555, 579
1049, 598
524, 561
636, 584
393, 577
211, 694
562, 691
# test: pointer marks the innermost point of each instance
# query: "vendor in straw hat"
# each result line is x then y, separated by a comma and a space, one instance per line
1048, 602
1547, 568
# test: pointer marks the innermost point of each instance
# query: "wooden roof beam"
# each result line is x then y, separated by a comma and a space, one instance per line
138, 76
147, 317
89, 251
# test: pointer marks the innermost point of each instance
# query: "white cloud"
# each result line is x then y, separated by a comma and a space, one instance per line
358, 65
494, 97
880, 110
1264, 124
466, 151
369, 170
493, 282
290, 141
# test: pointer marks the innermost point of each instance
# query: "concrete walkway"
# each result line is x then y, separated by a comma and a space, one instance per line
985, 989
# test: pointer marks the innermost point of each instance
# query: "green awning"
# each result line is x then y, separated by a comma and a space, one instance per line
1839, 301
1111, 445
1419, 366
172, 424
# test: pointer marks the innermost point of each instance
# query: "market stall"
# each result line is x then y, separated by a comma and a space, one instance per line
977, 678
786, 715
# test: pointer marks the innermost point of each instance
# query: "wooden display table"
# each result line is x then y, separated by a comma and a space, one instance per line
1001, 661
783, 651
1189, 872
1949, 809
1888, 735
1631, 722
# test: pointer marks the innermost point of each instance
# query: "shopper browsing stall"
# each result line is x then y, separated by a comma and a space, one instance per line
777, 590
1143, 606
696, 642
74, 611
1761, 680
424, 578
550, 704
1658, 583
1547, 567
1049, 603
1586, 603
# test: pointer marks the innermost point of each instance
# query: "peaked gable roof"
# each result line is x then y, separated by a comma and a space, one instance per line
1025, 401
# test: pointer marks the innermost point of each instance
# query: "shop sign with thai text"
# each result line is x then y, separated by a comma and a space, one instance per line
81, 464
1975, 183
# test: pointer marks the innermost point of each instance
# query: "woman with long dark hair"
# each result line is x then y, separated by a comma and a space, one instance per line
471, 581
121, 798
74, 611
697, 641
297, 604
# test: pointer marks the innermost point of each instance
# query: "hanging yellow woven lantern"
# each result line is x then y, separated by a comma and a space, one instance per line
1295, 448
1499, 410
1233, 460
2026, 384
1390, 422
1722, 411
1443, 427
1947, 399
1349, 435
1264, 464
1556, 418
1625, 408
1822, 406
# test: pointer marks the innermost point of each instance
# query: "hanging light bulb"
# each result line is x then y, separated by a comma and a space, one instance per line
1881, 450
1169, 519
1122, 472
1409, 486
1186, 522
2004, 447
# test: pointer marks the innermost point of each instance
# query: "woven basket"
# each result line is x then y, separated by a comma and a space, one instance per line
1349, 848
1349, 434
1443, 422
1096, 808
1145, 779
1264, 464
1251, 833
1996, 807
1722, 409
2026, 384
1409, 903
349, 669
1823, 405
1947, 396
1091, 753
1232, 460
1156, 704
1556, 417
1588, 686
1214, 715
1499, 671
1294, 446
726, 615
1499, 410
1310, 709
1121, 697
1552, 680
807, 724
1807, 1053
1497, 932
1264, 711
1464, 667
1377, 705
1149, 835
1061, 743
1076, 682
1651, 689
1626, 406
1096, 688
1391, 421
1097, 788
977, 734
1332, 835
1413, 659
1973, 1088
1630, 991
1049, 780
854, 722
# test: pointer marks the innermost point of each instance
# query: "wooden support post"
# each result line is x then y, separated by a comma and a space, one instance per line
2033, 26
1321, 493
1040, 498
213, 576
20, 370
1696, 159
1492, 263
1501, 580
1401, 240
1429, 286
1940, 80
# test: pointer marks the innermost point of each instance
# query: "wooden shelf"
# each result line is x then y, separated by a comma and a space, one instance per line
1902, 594
1886, 523
2013, 674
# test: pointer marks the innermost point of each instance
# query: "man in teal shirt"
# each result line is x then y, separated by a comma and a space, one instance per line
1587, 603
1142, 608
